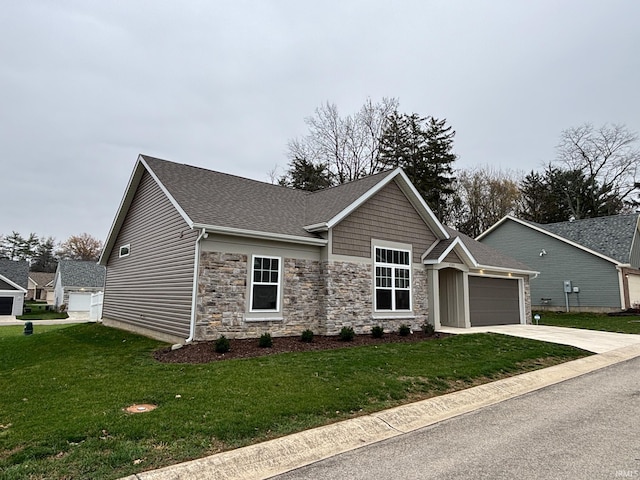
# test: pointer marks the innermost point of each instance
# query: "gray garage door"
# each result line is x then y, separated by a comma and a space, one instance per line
493, 301
6, 305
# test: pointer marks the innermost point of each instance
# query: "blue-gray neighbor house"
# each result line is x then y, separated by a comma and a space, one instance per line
591, 264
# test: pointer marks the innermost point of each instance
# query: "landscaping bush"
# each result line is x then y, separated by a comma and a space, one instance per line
307, 336
428, 329
265, 341
404, 330
222, 344
347, 334
377, 331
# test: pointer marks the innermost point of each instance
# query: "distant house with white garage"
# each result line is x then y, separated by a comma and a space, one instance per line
74, 283
14, 277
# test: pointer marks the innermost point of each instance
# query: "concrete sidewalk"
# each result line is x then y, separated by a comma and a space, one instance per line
7, 320
280, 455
589, 340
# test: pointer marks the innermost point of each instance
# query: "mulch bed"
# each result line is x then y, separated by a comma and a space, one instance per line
204, 352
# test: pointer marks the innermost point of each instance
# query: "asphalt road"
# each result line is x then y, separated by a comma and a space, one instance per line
585, 428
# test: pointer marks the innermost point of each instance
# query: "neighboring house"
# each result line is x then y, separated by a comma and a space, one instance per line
14, 278
40, 286
194, 254
599, 257
74, 283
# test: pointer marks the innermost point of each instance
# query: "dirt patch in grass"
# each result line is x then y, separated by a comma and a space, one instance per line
204, 352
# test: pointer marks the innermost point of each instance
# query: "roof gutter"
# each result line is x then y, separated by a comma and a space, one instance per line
239, 232
194, 293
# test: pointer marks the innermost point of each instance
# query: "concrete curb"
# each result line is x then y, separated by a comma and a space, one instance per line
283, 454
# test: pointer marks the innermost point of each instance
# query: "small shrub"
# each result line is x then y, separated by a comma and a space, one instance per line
404, 330
222, 344
307, 336
377, 331
265, 341
428, 329
347, 334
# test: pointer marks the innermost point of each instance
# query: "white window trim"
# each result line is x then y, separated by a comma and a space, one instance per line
278, 285
393, 311
128, 247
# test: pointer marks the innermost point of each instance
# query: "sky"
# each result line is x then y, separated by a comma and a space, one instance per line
87, 85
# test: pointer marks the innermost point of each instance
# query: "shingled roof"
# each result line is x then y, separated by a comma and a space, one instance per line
16, 271
218, 199
611, 236
74, 273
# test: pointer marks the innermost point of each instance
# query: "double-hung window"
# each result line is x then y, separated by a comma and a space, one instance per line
393, 279
265, 284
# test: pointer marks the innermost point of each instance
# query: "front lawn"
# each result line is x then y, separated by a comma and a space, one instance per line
63, 394
592, 321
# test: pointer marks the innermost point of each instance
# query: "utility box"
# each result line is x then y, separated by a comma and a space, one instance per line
576, 289
568, 288
28, 328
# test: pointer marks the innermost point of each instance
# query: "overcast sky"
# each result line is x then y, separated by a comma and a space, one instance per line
87, 85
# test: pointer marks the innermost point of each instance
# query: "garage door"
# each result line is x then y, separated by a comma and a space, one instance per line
79, 302
493, 301
6, 305
634, 289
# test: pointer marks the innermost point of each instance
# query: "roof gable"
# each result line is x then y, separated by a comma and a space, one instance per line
359, 192
41, 279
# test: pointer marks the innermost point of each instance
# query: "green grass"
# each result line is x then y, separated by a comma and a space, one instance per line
39, 312
64, 390
18, 330
592, 321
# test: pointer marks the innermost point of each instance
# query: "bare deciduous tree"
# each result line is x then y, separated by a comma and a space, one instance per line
607, 155
349, 145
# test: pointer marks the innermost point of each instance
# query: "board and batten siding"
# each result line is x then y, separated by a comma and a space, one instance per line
596, 278
388, 215
151, 288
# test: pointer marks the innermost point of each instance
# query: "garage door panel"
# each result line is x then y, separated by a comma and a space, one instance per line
6, 305
493, 301
634, 289
79, 302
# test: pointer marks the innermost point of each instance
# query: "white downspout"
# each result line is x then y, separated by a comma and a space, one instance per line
194, 293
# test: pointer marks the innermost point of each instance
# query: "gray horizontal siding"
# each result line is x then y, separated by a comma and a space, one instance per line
387, 216
152, 287
597, 278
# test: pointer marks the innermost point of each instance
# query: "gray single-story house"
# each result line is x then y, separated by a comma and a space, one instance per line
14, 278
194, 254
75, 281
591, 264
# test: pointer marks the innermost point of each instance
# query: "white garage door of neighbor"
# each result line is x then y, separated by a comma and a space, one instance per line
79, 302
634, 289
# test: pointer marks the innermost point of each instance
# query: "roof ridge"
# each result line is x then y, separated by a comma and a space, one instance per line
239, 177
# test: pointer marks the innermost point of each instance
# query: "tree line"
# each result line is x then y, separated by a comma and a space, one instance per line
594, 172
43, 253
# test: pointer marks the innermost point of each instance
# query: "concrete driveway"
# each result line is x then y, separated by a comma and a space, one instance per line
590, 340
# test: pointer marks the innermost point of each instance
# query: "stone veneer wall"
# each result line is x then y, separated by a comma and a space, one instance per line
322, 297
222, 298
527, 301
349, 299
